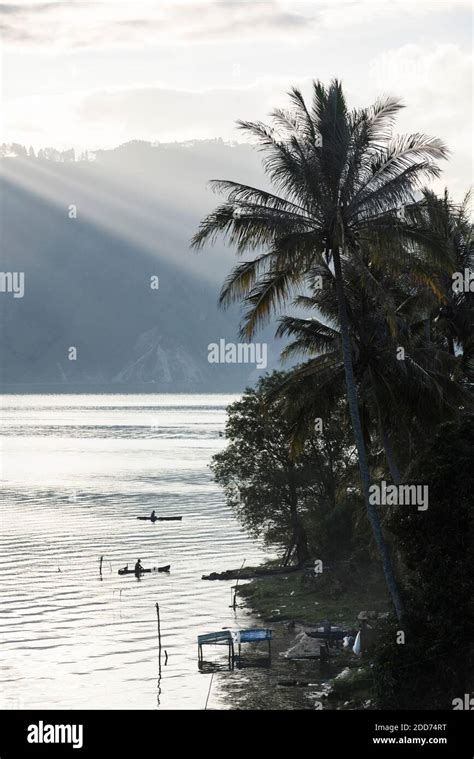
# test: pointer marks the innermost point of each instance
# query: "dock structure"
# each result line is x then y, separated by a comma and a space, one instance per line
231, 638
220, 638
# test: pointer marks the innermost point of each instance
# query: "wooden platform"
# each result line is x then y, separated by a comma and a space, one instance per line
220, 638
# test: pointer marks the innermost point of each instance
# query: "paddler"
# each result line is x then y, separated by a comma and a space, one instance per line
138, 568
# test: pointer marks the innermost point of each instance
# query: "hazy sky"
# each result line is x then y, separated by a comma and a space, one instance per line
95, 74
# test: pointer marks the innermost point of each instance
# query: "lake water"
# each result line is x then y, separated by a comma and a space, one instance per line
76, 472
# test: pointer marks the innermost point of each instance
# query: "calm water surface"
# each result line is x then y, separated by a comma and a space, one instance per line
76, 472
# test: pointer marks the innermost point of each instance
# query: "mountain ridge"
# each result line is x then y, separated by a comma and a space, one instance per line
88, 276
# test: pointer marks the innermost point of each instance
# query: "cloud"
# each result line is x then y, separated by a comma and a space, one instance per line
176, 114
435, 83
107, 23
177, 83
106, 118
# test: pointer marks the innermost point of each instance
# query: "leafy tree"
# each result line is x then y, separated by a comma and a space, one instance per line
19, 150
274, 493
67, 155
51, 154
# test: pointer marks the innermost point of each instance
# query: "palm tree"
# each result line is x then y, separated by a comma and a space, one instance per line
339, 177
399, 400
453, 312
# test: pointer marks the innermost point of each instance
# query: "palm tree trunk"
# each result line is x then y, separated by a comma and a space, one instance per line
390, 456
386, 442
359, 438
300, 538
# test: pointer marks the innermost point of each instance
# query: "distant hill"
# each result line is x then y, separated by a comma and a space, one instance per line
87, 279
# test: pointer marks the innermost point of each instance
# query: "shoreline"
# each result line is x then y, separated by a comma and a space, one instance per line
291, 605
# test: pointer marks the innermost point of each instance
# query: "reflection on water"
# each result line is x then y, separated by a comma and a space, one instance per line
76, 472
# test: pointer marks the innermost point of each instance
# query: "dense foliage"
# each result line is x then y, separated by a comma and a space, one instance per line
301, 503
435, 665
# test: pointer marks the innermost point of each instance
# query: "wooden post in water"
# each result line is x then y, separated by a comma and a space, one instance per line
100, 566
237, 585
159, 634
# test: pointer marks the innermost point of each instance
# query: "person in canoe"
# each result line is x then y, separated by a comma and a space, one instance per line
138, 568
153, 515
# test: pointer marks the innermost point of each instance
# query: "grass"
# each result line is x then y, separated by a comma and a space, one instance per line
338, 595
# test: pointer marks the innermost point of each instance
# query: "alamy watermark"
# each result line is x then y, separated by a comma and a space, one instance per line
237, 353
466, 703
392, 67
399, 495
13, 282
47, 733
463, 281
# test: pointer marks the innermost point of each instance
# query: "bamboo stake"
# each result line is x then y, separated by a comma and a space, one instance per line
237, 585
159, 635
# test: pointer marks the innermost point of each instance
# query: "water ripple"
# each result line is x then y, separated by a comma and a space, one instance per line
76, 472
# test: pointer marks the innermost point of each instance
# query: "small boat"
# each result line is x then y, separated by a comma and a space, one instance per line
160, 519
151, 570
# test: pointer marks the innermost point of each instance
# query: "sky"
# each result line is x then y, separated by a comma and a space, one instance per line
93, 75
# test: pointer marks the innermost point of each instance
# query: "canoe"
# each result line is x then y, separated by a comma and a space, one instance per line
160, 519
152, 570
